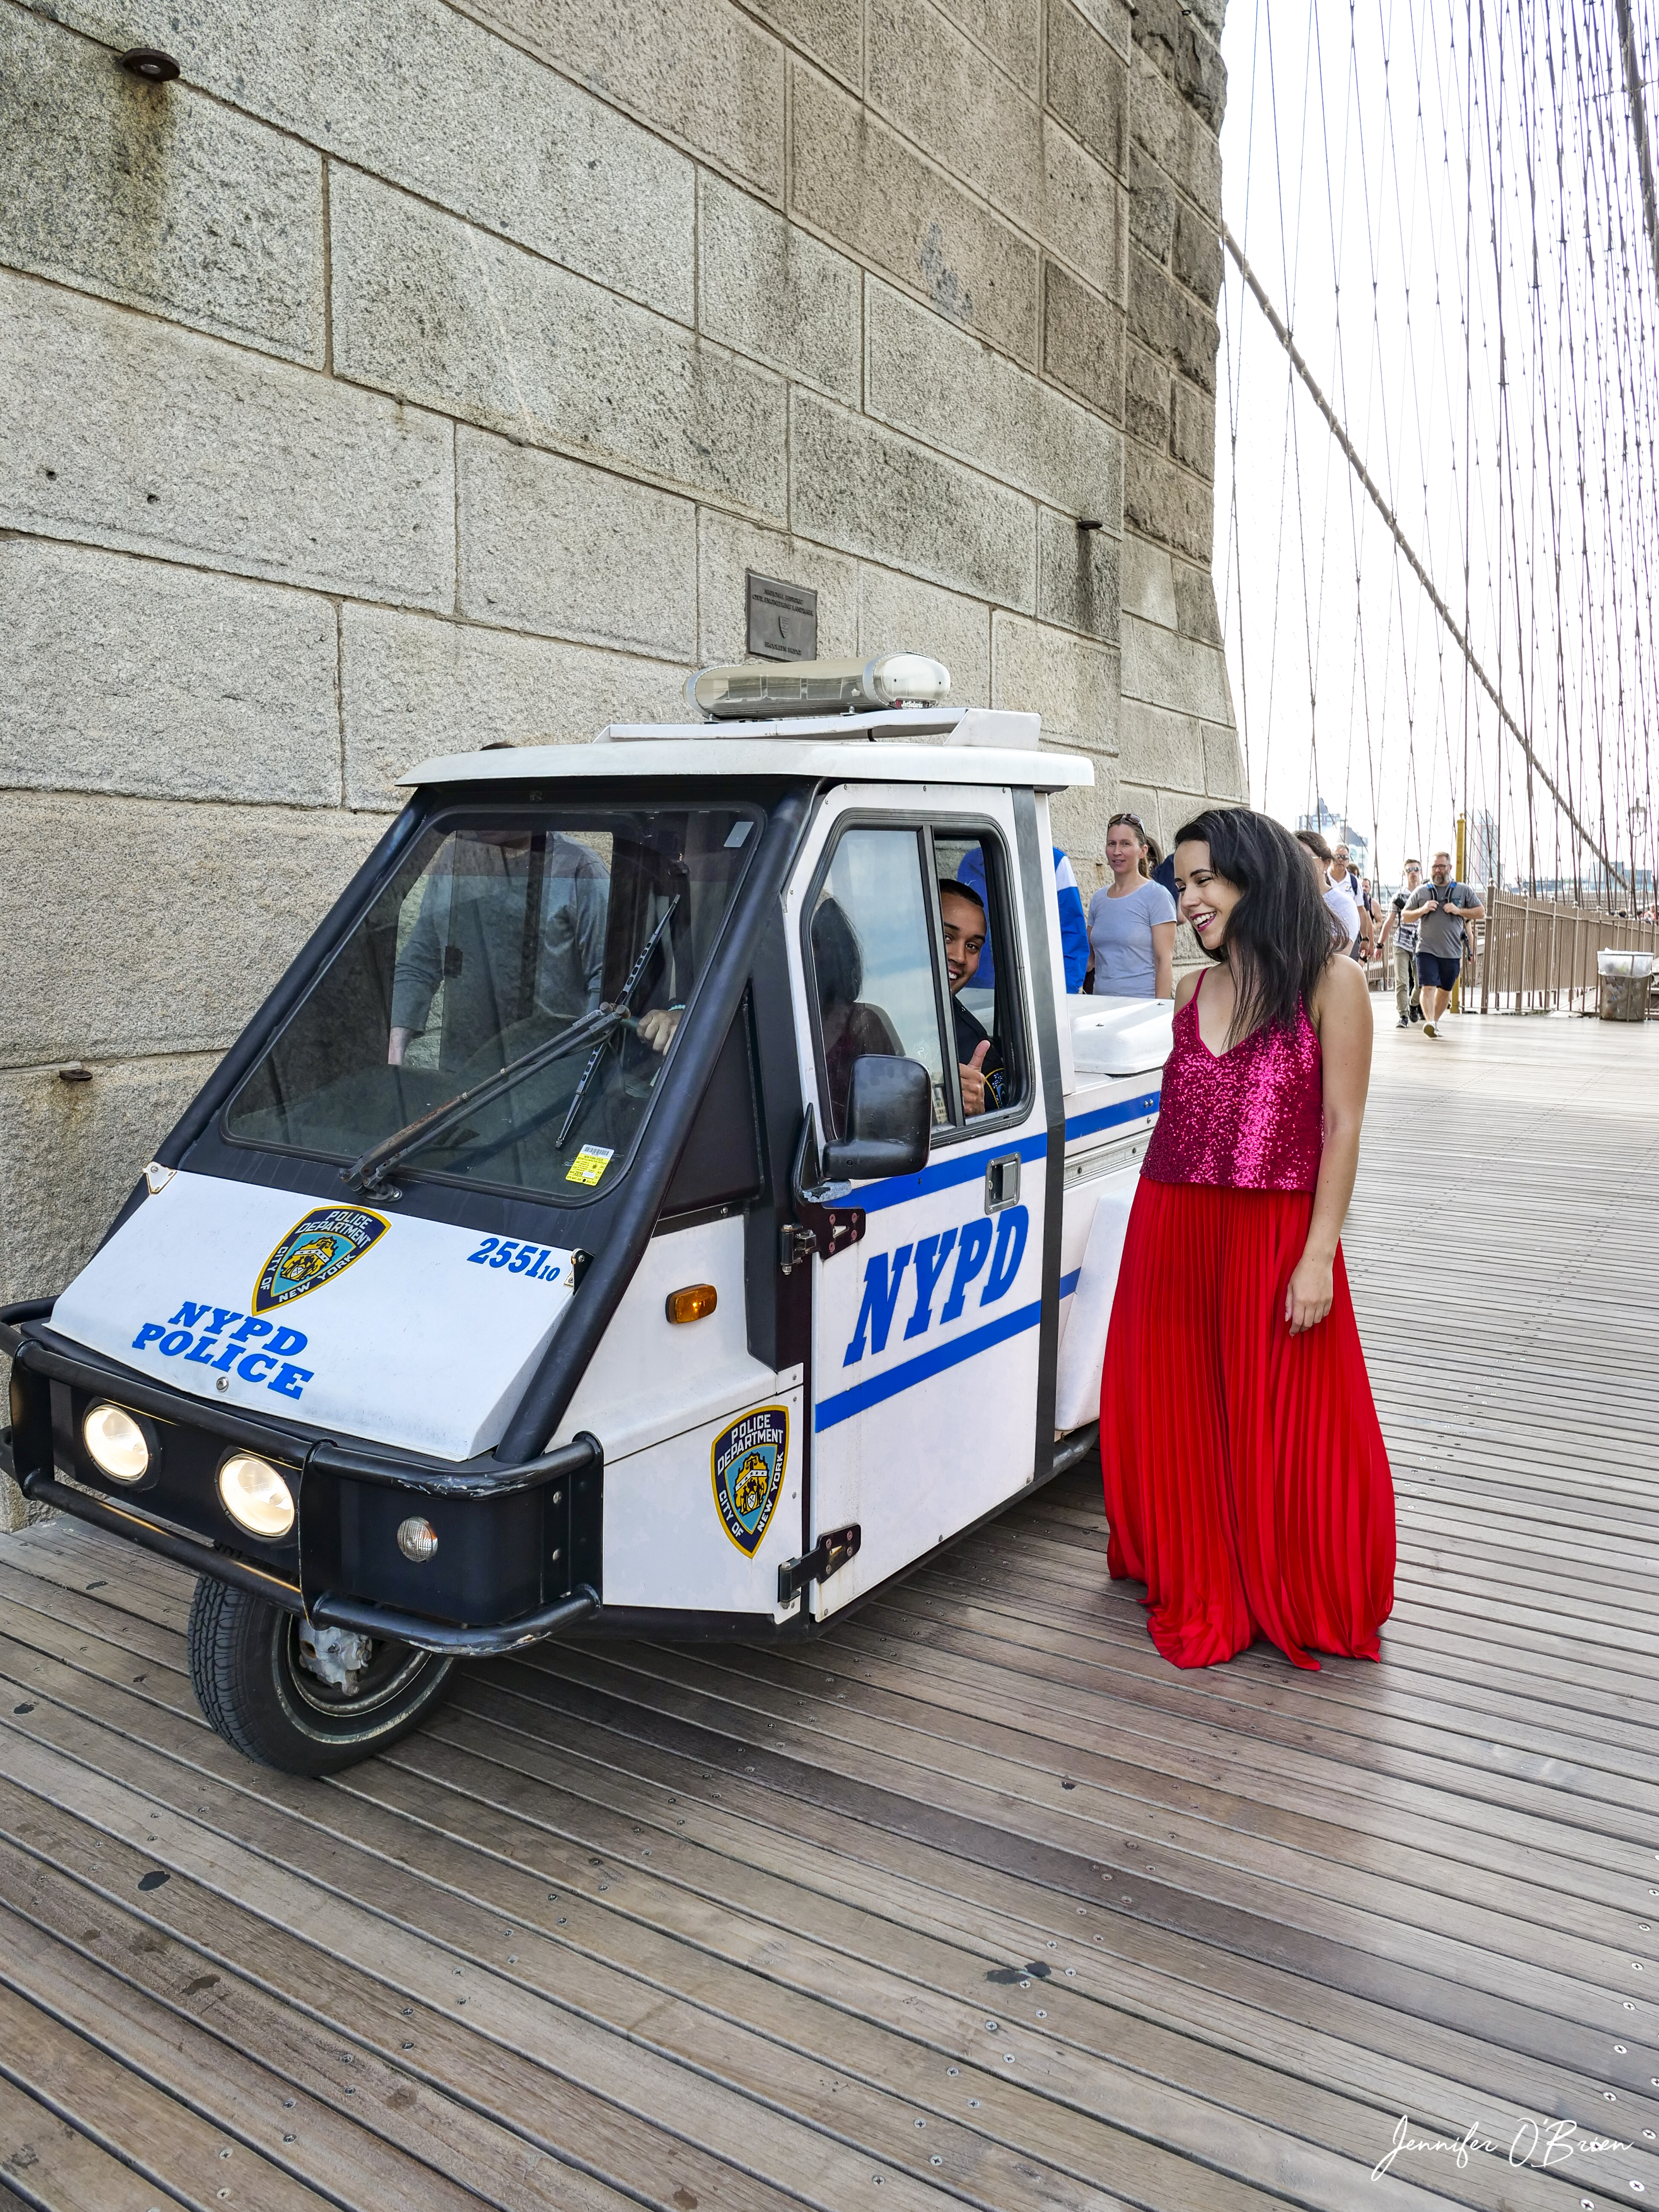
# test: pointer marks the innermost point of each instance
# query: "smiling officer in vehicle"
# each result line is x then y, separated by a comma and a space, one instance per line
981, 1065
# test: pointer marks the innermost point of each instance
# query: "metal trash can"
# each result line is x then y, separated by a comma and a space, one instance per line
1624, 979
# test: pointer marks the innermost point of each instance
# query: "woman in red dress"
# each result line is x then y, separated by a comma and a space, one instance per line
1247, 1484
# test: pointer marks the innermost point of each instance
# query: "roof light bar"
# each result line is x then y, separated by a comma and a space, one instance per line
758, 690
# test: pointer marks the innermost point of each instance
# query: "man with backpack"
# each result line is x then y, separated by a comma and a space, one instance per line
1440, 910
1404, 932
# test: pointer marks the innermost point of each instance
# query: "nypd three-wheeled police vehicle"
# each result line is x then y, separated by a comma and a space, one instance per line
636, 1209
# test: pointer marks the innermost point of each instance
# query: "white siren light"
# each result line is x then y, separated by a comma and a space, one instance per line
761, 688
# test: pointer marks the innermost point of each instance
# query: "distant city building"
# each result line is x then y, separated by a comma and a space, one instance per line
1332, 826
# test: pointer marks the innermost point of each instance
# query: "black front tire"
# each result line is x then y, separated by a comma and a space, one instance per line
254, 1687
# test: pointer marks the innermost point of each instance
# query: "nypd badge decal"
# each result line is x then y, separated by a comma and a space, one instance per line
314, 1251
748, 1465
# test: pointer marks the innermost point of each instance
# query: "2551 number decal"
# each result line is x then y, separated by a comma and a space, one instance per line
533, 1261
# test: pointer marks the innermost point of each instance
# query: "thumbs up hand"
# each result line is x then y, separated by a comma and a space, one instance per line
972, 1083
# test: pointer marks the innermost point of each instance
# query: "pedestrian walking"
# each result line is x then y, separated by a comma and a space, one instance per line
1132, 921
1343, 876
1442, 907
1371, 921
1246, 1480
1339, 897
1406, 983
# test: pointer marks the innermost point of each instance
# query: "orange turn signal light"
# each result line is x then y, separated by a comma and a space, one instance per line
693, 1303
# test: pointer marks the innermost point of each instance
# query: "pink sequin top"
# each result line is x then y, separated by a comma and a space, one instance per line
1253, 1119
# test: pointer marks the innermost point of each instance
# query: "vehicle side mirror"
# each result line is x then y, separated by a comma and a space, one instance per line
890, 1118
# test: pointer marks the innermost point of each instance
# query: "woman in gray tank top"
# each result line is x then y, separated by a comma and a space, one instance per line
1132, 921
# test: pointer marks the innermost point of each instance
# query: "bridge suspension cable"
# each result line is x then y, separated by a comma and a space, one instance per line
1277, 324
1460, 229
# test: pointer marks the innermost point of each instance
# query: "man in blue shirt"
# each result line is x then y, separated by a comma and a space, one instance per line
1074, 928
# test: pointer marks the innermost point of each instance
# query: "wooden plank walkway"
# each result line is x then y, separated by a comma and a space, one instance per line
976, 1901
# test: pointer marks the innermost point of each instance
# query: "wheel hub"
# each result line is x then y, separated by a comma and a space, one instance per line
336, 1656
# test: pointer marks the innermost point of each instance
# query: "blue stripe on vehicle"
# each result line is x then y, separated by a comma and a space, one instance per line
1068, 1282
957, 1168
1107, 1117
942, 1175
846, 1403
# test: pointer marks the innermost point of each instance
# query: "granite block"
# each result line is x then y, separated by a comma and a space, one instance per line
142, 676
946, 389
128, 432
770, 290
135, 927
557, 546
860, 184
864, 489
153, 195
1083, 342
416, 689
439, 314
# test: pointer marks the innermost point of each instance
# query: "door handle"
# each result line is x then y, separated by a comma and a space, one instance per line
1002, 1182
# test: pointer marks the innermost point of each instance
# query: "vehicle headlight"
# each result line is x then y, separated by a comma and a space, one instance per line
255, 1495
118, 1442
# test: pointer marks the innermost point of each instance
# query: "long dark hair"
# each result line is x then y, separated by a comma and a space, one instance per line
1281, 935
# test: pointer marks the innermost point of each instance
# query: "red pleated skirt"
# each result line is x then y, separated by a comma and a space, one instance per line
1247, 1482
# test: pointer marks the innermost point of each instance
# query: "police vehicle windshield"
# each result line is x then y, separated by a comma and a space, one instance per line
501, 935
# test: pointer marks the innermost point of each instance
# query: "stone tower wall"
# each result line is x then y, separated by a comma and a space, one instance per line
409, 376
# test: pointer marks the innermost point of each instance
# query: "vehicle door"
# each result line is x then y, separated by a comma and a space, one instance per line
926, 1333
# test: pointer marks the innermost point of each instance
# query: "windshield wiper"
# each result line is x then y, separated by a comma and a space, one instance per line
623, 1003
368, 1172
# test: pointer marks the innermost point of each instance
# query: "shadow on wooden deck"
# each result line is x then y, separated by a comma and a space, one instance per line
975, 1900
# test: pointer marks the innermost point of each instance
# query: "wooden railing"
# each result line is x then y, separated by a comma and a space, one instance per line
1534, 954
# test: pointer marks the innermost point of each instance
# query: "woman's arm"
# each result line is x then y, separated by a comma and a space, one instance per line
1163, 937
1189, 983
1342, 1014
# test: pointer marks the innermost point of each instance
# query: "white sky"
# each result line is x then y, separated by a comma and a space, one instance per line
1396, 177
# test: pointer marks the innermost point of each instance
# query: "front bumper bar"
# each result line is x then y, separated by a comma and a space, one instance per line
327, 1611
325, 1463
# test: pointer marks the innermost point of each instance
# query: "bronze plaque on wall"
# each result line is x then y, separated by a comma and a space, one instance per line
783, 619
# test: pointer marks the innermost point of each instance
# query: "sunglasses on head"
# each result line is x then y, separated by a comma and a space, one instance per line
1133, 821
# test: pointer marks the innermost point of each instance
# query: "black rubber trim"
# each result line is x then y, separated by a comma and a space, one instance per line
1036, 868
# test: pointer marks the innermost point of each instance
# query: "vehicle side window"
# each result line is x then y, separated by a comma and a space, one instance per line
873, 967
985, 1005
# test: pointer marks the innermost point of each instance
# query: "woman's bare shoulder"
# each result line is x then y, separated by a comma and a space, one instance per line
1189, 983
1342, 990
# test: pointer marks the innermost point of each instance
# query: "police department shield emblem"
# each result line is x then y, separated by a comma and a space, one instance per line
749, 1462
314, 1251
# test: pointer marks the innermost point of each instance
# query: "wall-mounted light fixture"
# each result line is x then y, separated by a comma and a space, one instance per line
1090, 522
150, 63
